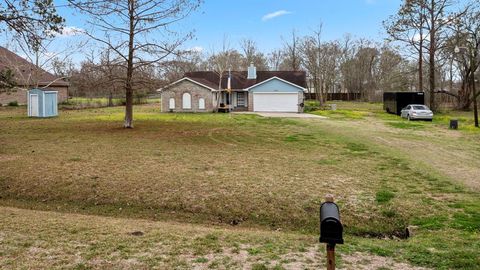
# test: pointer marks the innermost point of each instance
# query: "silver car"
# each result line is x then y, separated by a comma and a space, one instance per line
417, 111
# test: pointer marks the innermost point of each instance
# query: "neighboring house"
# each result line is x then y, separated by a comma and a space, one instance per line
262, 91
27, 76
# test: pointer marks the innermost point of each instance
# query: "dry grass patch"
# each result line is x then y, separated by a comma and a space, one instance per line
49, 240
246, 171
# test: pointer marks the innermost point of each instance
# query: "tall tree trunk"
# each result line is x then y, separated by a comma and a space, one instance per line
110, 98
322, 90
420, 64
128, 84
432, 56
474, 100
420, 51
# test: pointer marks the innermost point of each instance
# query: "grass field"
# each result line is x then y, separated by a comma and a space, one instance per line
246, 188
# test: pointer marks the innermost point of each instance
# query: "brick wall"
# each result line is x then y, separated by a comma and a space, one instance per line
196, 92
250, 101
300, 101
20, 95
62, 92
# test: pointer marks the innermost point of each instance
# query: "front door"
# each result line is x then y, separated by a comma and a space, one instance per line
240, 99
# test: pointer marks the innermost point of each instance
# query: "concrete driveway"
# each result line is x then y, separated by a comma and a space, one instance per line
285, 115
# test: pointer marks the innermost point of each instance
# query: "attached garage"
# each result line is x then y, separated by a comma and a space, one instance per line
275, 102
276, 95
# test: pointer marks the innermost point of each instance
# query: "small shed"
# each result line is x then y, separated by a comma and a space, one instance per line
42, 103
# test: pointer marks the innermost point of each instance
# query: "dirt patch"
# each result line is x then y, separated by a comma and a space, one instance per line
310, 258
362, 261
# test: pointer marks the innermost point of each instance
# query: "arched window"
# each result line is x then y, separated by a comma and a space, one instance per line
171, 103
201, 104
186, 101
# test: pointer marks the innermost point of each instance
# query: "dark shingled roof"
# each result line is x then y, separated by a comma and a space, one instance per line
240, 81
24, 70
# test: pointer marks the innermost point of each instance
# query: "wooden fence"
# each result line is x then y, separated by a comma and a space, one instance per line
336, 96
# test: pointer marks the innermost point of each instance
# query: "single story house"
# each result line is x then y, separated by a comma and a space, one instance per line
27, 76
252, 90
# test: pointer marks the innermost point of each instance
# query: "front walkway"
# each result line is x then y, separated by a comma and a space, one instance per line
283, 114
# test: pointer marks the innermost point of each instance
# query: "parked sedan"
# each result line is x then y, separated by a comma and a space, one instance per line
417, 111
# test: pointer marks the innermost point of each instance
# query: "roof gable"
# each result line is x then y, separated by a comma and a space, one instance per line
239, 78
292, 85
195, 81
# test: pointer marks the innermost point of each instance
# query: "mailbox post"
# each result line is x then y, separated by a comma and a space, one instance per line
331, 229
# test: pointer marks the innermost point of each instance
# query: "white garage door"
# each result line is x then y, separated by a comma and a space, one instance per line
275, 102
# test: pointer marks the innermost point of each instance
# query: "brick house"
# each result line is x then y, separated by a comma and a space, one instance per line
27, 76
262, 91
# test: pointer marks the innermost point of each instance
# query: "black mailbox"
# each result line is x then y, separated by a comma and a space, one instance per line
331, 229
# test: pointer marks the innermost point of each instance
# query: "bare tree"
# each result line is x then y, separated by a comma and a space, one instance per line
392, 71
220, 62
138, 32
429, 17
438, 19
292, 59
24, 17
104, 76
408, 26
62, 67
252, 55
466, 50
185, 61
311, 54
275, 59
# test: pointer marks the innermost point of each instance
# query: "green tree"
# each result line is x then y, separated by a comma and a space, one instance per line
7, 80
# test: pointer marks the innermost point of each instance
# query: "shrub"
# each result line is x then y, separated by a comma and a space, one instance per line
67, 102
311, 105
13, 103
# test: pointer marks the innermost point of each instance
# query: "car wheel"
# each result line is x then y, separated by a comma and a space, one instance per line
408, 117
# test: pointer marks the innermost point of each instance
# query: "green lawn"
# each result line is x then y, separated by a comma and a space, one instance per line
246, 175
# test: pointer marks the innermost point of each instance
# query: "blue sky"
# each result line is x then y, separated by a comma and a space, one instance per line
239, 19
243, 19
264, 21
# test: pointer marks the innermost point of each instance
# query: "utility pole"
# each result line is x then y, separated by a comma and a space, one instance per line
475, 105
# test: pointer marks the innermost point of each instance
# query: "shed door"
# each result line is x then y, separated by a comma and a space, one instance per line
50, 104
275, 102
34, 105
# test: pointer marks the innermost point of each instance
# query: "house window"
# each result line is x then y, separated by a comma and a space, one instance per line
171, 103
186, 101
201, 104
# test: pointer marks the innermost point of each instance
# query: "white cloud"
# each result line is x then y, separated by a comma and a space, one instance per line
69, 31
275, 14
417, 37
196, 49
